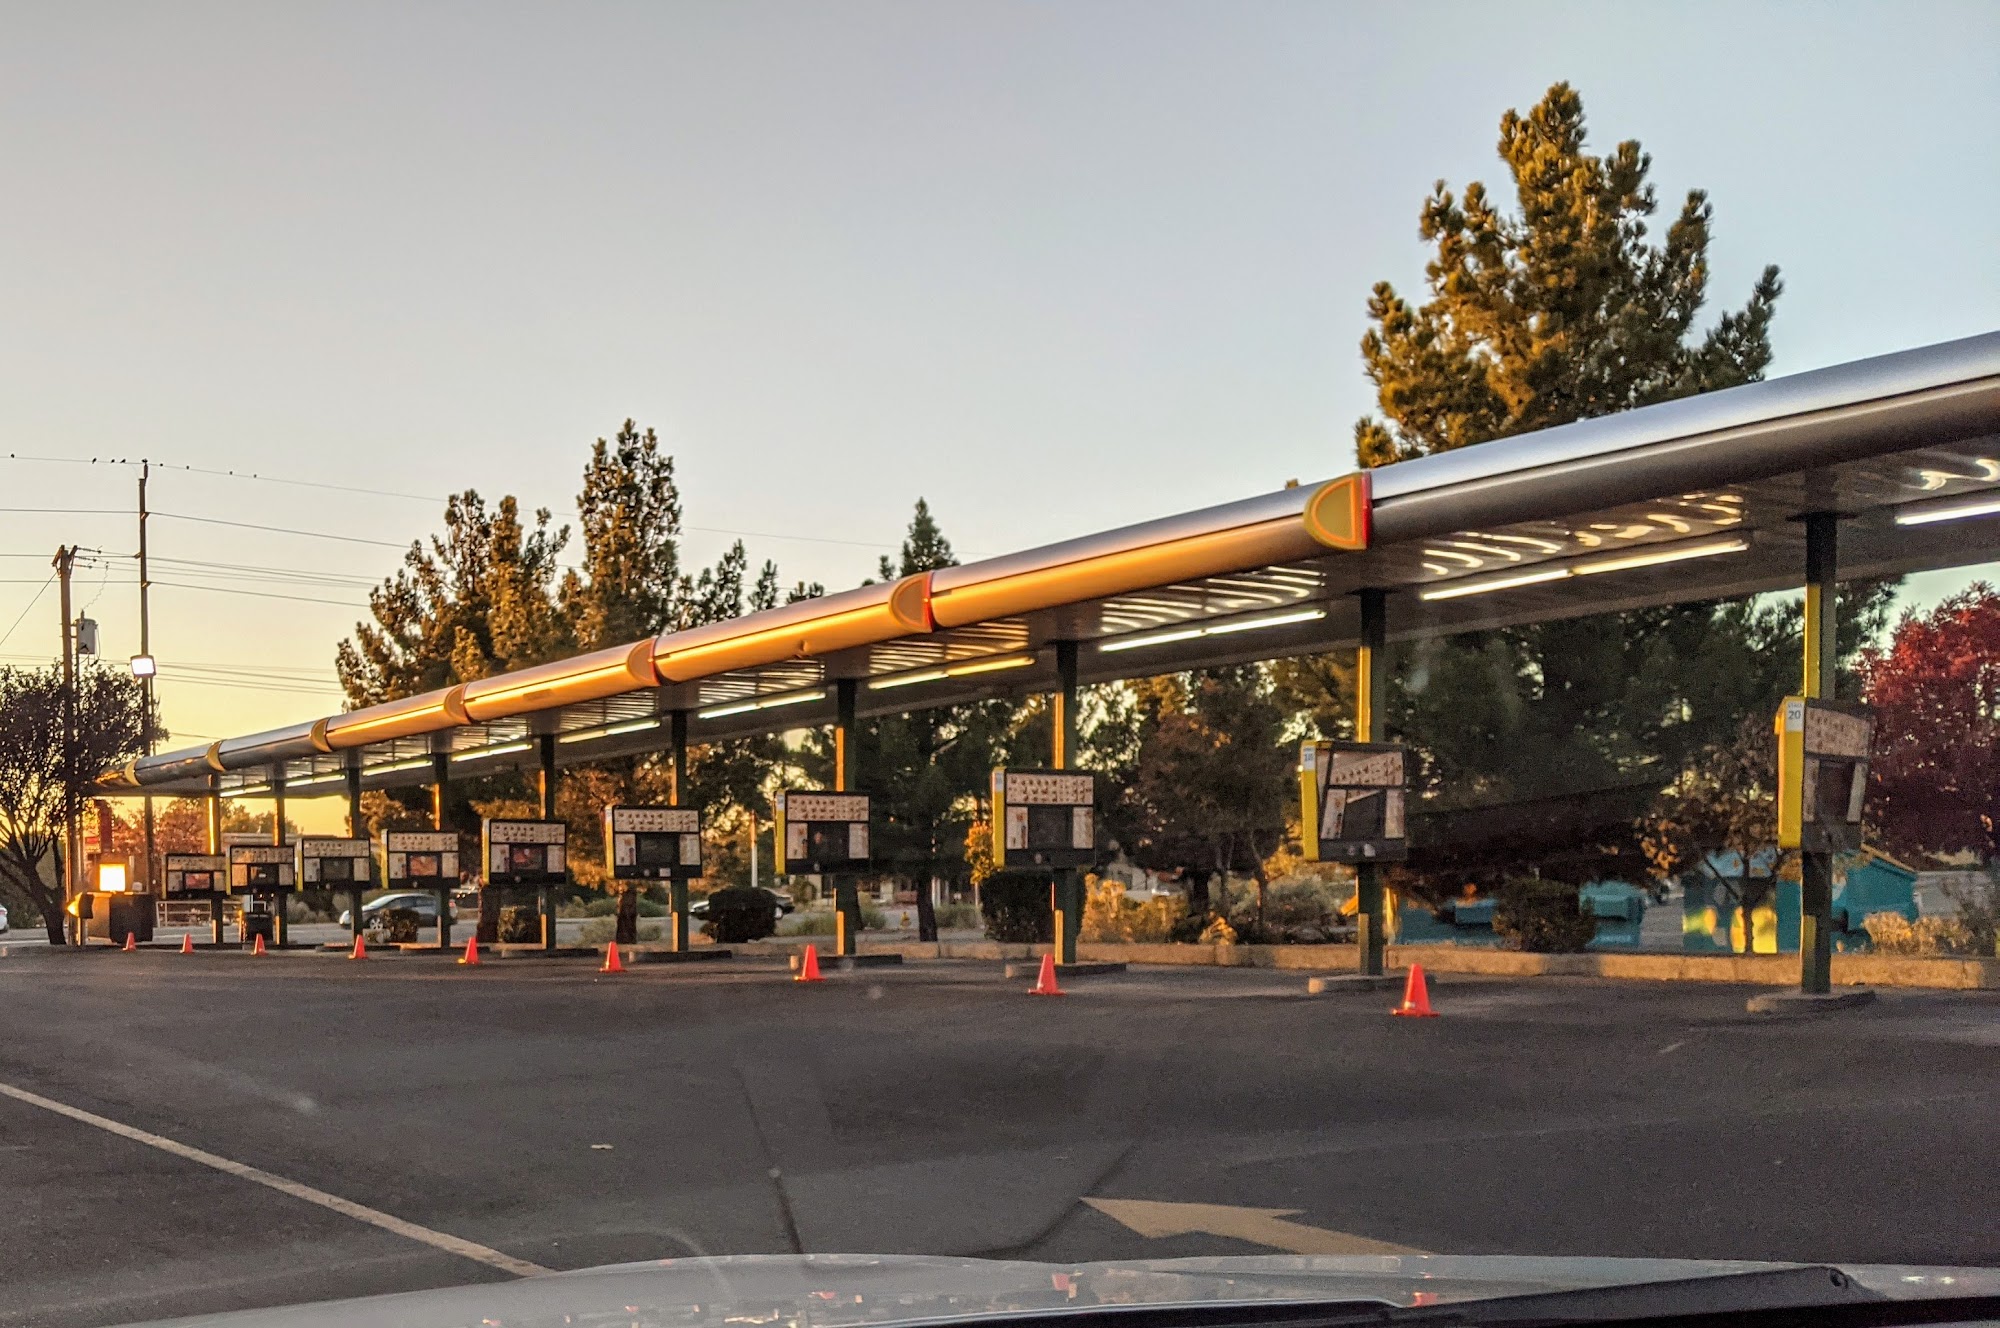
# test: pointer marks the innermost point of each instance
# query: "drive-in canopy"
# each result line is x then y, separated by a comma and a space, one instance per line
1692, 499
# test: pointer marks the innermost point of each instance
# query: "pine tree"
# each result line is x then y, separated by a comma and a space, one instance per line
1564, 309
1559, 312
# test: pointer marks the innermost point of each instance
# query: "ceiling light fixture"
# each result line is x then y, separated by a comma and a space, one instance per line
1219, 629
1986, 504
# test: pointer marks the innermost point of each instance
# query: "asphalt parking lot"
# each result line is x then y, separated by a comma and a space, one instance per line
555, 1118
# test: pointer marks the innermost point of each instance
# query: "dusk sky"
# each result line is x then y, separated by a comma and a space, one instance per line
1054, 267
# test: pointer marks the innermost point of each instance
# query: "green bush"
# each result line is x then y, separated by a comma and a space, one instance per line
738, 913
599, 930
957, 917
1016, 908
1296, 913
819, 922
1545, 917
397, 925
520, 924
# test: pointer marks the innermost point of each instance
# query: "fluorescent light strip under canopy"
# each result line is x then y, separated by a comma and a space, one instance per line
966, 669
502, 750
1986, 504
591, 735
1623, 562
763, 703
1219, 629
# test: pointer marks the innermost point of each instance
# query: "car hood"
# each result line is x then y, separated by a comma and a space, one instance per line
836, 1291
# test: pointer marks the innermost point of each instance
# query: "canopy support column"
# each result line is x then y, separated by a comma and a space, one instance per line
846, 895
1066, 890
213, 828
357, 828
677, 888
440, 778
545, 786
1821, 652
1371, 913
281, 923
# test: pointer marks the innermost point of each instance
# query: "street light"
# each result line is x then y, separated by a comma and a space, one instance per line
144, 666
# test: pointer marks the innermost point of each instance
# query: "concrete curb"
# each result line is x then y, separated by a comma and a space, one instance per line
1032, 968
1808, 1002
1335, 984
1849, 970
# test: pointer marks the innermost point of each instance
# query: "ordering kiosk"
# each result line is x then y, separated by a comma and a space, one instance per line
1046, 820
1352, 799
194, 890
424, 860
521, 855
262, 877
826, 834
330, 863
656, 844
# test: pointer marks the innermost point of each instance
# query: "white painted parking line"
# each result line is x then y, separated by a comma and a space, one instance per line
375, 1217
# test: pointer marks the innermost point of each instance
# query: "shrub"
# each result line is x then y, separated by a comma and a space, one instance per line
1978, 906
820, 922
1016, 908
398, 925
957, 917
737, 914
1217, 932
1305, 912
520, 924
1892, 933
599, 930
1109, 914
1546, 917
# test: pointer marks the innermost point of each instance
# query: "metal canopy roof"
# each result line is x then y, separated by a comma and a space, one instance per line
1689, 500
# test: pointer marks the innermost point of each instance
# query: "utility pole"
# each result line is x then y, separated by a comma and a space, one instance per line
146, 653
64, 561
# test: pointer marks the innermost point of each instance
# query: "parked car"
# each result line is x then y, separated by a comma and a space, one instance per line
699, 908
3, 919
425, 906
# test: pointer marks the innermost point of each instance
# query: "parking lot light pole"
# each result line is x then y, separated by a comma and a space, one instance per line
846, 895
357, 828
1066, 890
440, 777
1821, 653
545, 785
1370, 920
677, 888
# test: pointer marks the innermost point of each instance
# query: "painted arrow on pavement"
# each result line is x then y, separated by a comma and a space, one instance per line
1256, 1226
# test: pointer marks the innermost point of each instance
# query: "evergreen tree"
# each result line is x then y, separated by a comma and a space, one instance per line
1564, 309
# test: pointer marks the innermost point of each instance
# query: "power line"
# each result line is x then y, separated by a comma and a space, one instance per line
259, 594
277, 530
228, 474
31, 604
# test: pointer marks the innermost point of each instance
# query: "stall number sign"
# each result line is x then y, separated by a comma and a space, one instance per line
1047, 818
822, 832
263, 867
196, 873
1822, 773
421, 859
324, 860
653, 843
526, 853
1352, 798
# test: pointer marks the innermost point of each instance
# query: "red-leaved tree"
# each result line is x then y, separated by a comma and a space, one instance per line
1935, 778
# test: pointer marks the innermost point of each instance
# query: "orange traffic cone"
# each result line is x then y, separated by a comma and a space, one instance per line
611, 964
809, 966
131, 941
471, 955
1416, 996
1045, 984
360, 950
258, 947
187, 943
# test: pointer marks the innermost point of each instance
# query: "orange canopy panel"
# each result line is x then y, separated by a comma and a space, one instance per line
863, 617
426, 713
589, 677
